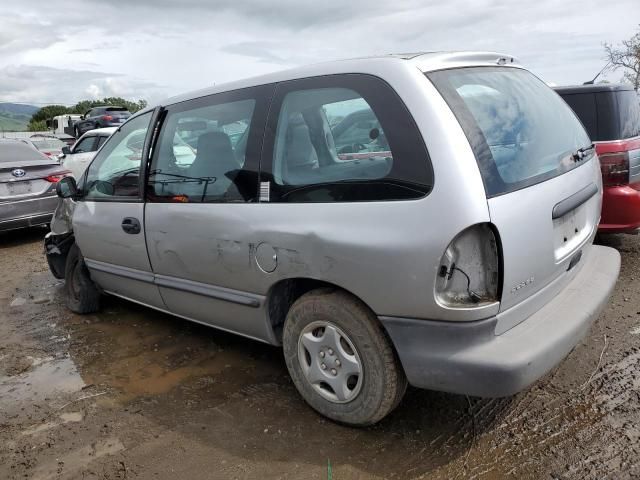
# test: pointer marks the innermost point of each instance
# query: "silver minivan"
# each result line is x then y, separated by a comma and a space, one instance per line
424, 219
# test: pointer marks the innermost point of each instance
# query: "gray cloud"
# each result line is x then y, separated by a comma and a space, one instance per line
24, 83
155, 48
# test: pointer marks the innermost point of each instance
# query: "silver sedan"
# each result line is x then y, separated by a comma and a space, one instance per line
27, 185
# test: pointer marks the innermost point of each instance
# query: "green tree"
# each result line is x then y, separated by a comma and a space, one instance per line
626, 56
46, 113
85, 105
37, 126
38, 120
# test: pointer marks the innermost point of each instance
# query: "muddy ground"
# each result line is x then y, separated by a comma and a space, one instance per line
131, 393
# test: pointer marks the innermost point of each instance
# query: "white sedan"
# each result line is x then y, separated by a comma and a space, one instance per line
77, 157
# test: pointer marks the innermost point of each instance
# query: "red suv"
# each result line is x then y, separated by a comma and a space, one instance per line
611, 115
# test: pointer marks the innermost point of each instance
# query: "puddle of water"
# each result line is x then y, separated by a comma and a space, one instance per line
43, 383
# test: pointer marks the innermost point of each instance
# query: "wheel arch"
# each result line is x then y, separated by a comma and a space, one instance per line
284, 293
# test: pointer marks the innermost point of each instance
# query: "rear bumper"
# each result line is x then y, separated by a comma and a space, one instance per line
469, 358
28, 212
620, 210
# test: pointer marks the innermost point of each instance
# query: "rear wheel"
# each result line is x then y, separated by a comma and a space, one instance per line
81, 293
340, 359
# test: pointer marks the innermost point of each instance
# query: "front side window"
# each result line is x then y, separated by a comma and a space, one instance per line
85, 145
351, 139
201, 153
115, 172
521, 131
101, 140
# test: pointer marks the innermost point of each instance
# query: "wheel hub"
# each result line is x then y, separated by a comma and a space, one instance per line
330, 362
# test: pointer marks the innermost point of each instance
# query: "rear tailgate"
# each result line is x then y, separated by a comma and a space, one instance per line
541, 178
538, 248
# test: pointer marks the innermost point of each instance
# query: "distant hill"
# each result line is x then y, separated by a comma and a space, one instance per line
15, 116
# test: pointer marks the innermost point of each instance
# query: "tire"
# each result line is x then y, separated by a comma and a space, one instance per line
81, 293
364, 398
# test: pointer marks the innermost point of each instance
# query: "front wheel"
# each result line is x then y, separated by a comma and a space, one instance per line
340, 359
81, 293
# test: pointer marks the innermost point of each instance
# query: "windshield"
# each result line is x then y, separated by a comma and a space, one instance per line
521, 131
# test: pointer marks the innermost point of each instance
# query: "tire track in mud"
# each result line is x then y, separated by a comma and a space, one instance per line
583, 434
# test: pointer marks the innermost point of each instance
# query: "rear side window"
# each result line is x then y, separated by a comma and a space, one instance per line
629, 111
520, 130
344, 138
584, 105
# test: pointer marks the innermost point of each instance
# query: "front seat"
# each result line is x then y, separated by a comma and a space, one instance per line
300, 159
216, 161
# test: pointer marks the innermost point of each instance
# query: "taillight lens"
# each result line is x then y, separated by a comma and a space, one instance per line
469, 271
56, 177
614, 168
107, 118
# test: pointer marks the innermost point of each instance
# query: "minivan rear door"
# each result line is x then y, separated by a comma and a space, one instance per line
541, 179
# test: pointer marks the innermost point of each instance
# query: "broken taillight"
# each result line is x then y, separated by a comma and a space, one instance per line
469, 271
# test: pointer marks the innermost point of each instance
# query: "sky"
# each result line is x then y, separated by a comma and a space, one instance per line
62, 51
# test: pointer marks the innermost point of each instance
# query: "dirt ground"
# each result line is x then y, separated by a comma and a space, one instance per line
131, 393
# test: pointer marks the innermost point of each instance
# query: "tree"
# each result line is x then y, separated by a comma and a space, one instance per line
626, 56
38, 126
132, 106
44, 114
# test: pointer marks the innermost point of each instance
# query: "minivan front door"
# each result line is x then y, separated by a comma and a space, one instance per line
108, 221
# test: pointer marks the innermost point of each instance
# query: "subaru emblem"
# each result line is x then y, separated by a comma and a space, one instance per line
18, 172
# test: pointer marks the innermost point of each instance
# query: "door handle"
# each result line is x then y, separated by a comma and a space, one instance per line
131, 225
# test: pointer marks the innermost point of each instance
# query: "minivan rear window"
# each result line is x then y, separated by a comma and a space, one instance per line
520, 130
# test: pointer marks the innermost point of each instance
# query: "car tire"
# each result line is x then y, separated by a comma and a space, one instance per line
82, 295
328, 335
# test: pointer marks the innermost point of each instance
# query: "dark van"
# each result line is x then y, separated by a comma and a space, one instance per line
611, 115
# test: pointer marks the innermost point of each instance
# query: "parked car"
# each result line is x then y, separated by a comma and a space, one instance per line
100, 117
27, 185
460, 259
47, 144
77, 158
611, 115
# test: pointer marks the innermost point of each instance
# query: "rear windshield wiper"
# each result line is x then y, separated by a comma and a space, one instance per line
582, 152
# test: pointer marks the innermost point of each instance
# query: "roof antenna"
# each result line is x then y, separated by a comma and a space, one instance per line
591, 82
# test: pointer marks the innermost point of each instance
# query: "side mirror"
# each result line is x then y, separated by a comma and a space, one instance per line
66, 187
66, 150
